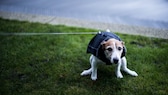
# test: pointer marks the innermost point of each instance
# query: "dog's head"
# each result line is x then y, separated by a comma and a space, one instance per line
113, 50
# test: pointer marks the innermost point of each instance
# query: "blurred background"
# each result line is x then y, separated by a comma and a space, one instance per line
148, 13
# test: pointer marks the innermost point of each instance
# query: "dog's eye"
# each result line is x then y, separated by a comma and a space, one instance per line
109, 49
119, 48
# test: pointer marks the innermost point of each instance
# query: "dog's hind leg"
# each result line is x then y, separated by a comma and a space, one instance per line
92, 70
89, 71
124, 67
86, 72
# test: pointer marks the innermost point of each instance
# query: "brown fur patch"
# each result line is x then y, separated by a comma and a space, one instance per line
111, 42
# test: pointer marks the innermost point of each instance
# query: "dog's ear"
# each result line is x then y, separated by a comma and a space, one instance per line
124, 50
123, 43
103, 45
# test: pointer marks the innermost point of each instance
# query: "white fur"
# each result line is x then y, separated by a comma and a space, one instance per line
122, 64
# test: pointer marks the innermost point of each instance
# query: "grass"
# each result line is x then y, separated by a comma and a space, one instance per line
51, 64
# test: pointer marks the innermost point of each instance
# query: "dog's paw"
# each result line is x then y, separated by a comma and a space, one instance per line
93, 78
85, 72
133, 73
119, 75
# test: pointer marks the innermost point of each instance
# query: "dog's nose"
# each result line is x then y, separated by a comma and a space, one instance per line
115, 60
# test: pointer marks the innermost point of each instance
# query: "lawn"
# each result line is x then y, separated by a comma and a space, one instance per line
51, 64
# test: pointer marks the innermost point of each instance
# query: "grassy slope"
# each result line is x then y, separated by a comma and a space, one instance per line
51, 64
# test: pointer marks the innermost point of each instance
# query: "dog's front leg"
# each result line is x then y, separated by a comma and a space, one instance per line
118, 70
124, 67
94, 69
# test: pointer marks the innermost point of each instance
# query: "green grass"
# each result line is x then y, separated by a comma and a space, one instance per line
51, 64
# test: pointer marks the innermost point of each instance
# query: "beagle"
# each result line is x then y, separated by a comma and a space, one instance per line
107, 47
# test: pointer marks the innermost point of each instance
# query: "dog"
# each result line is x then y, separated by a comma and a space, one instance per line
107, 47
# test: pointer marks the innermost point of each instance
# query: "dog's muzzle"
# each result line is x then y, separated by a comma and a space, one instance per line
115, 60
